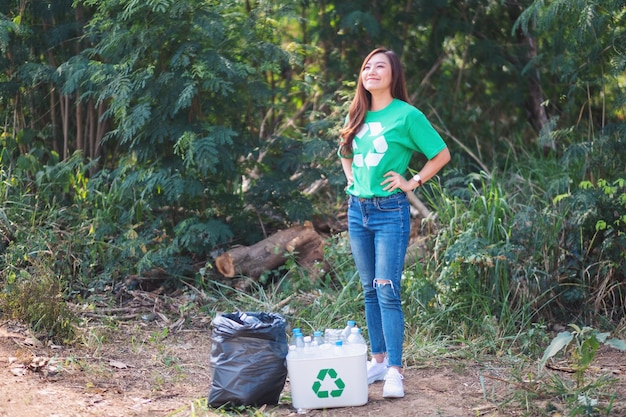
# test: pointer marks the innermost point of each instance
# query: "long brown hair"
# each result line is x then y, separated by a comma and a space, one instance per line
363, 99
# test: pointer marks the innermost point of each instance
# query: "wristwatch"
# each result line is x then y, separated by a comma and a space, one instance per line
418, 180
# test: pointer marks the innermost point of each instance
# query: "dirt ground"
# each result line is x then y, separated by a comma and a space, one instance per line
138, 369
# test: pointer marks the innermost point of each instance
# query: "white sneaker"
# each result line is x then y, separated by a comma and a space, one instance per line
393, 387
376, 371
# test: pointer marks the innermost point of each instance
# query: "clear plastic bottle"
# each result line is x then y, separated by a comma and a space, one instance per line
318, 338
299, 342
346, 331
338, 351
248, 320
356, 338
294, 332
332, 335
308, 346
293, 353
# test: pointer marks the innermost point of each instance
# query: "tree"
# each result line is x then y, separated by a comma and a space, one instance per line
39, 39
196, 109
582, 54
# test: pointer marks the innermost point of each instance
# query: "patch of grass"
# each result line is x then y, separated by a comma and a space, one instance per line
36, 296
200, 408
94, 338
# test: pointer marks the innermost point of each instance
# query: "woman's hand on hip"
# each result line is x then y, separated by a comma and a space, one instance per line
394, 181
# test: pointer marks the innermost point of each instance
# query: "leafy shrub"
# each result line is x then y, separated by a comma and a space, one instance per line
472, 276
595, 239
581, 345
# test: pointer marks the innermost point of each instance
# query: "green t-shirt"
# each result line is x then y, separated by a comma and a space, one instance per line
386, 143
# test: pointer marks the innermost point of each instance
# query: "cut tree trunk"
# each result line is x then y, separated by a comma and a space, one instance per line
302, 241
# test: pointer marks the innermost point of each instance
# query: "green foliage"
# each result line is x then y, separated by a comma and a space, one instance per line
473, 279
592, 229
534, 252
187, 111
596, 238
583, 45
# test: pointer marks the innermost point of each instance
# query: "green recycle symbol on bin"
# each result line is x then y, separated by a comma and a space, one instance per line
331, 374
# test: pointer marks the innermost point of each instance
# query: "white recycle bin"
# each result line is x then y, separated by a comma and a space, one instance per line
328, 380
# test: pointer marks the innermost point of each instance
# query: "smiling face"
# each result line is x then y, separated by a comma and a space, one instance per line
377, 75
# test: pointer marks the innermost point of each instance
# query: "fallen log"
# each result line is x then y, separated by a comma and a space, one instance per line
252, 261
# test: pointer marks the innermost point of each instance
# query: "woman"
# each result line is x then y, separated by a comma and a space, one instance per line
381, 133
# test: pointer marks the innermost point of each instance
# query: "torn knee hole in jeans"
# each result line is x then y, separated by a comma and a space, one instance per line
378, 282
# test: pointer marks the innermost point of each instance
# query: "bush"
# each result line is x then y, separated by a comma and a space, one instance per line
37, 297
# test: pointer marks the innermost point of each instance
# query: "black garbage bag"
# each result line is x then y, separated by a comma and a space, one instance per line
248, 364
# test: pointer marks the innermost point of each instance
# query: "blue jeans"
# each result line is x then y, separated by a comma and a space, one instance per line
379, 235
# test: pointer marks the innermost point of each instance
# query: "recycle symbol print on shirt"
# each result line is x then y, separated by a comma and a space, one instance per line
330, 382
379, 145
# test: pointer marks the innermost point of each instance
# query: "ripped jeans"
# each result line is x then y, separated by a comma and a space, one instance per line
379, 229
